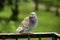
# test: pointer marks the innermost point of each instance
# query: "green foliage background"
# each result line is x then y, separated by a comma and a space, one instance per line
47, 21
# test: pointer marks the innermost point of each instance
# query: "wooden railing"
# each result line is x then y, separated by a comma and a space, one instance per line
53, 35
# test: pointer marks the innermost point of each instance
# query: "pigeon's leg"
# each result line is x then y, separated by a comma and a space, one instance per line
28, 32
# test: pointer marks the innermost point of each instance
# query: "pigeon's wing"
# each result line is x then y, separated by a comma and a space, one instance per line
25, 22
20, 29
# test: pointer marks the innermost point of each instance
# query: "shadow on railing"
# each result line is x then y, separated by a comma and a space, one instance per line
40, 35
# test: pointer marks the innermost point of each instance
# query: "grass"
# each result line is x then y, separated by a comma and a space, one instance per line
47, 21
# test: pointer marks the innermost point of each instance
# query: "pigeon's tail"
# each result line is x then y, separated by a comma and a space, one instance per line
20, 29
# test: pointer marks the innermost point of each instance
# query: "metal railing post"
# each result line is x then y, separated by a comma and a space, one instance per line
54, 38
40, 38
28, 36
16, 38
3, 38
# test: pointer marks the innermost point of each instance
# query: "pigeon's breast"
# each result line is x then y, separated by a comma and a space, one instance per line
31, 26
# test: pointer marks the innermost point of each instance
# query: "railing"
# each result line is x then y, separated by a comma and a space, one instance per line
54, 35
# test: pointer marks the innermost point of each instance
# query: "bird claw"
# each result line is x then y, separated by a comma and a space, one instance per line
28, 33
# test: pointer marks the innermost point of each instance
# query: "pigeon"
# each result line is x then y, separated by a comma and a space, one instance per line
29, 23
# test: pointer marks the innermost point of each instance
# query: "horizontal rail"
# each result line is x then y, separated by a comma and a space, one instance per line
32, 35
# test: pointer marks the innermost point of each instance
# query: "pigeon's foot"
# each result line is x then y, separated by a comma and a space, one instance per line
29, 33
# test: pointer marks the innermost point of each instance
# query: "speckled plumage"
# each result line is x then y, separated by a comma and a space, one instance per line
28, 23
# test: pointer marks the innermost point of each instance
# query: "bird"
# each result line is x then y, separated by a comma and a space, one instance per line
29, 23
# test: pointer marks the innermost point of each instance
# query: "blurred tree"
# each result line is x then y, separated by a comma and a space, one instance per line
41, 1
15, 11
9, 2
26, 0
57, 7
36, 4
48, 5
2, 4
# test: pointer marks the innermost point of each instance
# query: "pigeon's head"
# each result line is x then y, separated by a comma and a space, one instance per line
32, 16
